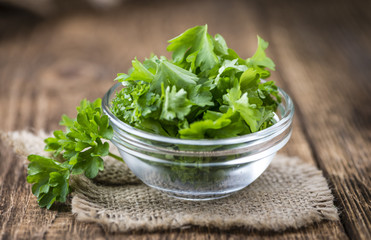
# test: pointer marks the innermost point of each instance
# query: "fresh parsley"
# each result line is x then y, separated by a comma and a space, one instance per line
205, 91
77, 150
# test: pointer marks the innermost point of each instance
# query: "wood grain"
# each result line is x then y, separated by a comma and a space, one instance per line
342, 150
322, 51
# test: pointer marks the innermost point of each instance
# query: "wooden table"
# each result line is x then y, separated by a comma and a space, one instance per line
323, 55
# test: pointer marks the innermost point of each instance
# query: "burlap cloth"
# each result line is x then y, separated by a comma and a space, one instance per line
289, 194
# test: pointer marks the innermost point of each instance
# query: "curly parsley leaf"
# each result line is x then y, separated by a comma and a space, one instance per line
80, 148
49, 178
81, 145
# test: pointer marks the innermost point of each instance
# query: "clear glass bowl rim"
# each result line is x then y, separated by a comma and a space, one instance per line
282, 123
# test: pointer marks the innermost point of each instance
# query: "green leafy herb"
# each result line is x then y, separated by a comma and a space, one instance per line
206, 91
176, 97
80, 150
50, 180
175, 104
194, 48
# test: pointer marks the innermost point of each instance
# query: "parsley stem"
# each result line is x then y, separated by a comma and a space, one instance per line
115, 157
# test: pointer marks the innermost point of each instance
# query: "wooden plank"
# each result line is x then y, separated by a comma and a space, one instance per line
331, 88
58, 64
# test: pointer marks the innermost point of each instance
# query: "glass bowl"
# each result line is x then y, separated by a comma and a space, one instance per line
199, 169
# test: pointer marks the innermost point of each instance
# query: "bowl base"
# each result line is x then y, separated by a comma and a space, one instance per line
197, 198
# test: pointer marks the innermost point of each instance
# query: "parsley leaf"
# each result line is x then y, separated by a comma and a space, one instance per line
81, 145
176, 97
194, 48
175, 104
259, 58
140, 72
49, 178
80, 148
169, 74
201, 129
200, 95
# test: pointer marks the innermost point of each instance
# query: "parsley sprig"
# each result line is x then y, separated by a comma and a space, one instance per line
77, 150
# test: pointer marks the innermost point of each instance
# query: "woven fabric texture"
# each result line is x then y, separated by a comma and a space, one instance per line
289, 194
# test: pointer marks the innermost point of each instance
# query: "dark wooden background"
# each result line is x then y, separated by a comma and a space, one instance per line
322, 50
